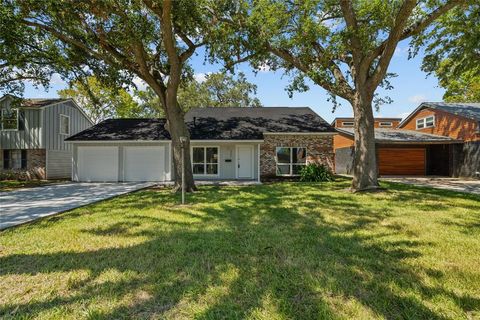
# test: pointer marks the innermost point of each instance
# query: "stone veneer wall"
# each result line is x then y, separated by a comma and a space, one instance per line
36, 166
319, 150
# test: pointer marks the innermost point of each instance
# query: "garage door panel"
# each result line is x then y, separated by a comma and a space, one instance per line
98, 164
401, 161
144, 163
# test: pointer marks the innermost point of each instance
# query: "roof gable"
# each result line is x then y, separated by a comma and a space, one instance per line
465, 110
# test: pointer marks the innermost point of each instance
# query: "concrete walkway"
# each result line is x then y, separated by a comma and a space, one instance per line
23, 205
454, 184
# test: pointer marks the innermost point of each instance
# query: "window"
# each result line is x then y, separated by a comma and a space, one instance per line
9, 119
205, 160
290, 160
14, 159
428, 122
347, 123
64, 124
385, 124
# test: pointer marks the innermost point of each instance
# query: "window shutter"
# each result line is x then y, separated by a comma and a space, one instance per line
6, 159
24, 159
21, 120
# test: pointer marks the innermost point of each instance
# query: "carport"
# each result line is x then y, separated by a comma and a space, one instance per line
403, 152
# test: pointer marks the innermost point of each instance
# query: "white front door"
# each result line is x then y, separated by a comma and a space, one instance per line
144, 163
245, 162
97, 164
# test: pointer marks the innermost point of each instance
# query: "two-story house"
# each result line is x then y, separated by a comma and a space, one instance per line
32, 133
437, 138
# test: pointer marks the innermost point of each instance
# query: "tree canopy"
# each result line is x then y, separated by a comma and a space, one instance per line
101, 102
218, 90
452, 53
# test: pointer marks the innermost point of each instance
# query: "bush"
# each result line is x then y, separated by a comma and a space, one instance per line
315, 173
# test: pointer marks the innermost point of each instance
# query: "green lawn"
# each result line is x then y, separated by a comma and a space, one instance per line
278, 251
9, 185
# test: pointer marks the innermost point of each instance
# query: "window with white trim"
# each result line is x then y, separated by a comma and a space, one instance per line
427, 122
290, 160
205, 161
9, 119
385, 124
347, 123
14, 159
64, 124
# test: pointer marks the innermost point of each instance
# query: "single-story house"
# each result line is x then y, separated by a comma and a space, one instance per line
226, 144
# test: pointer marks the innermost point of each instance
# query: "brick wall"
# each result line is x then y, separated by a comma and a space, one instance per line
36, 166
319, 150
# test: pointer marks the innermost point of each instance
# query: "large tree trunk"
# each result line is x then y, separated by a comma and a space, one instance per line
177, 128
365, 172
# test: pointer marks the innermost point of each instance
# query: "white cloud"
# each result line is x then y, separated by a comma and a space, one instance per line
403, 115
141, 85
418, 98
264, 67
399, 52
201, 77
57, 80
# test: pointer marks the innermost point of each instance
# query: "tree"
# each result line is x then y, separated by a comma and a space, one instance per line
452, 52
116, 40
101, 102
218, 90
343, 46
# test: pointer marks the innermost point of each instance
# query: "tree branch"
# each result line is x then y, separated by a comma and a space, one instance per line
390, 44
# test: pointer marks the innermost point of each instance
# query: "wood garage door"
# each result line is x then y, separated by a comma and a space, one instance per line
398, 161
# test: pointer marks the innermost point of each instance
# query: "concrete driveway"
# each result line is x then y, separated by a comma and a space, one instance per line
455, 184
23, 205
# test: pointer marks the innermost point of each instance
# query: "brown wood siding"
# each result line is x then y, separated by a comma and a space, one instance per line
446, 124
401, 161
395, 123
342, 141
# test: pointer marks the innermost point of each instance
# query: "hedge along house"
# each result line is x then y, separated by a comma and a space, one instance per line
226, 144
32, 133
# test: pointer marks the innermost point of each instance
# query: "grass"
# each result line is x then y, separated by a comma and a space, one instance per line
9, 185
278, 251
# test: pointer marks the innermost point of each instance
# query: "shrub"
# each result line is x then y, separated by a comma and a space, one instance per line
315, 173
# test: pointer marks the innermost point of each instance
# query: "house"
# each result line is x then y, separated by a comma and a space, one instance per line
460, 121
32, 133
226, 144
440, 139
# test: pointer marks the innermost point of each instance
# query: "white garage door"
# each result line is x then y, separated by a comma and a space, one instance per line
98, 164
144, 164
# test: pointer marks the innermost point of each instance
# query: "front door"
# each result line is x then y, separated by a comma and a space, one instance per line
245, 162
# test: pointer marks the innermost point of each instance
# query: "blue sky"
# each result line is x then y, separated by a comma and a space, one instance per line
410, 88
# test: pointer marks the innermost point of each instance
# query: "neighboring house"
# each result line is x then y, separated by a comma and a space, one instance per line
459, 121
32, 133
226, 144
440, 139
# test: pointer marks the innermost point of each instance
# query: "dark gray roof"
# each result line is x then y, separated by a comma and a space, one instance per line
40, 102
34, 102
213, 124
124, 129
467, 110
250, 123
402, 136
470, 110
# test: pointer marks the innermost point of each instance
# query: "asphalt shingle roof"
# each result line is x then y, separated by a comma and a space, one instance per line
124, 129
467, 110
402, 136
40, 102
213, 124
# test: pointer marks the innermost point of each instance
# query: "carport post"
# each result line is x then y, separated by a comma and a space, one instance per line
182, 142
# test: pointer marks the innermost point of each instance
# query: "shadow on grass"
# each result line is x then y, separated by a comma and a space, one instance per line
260, 242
